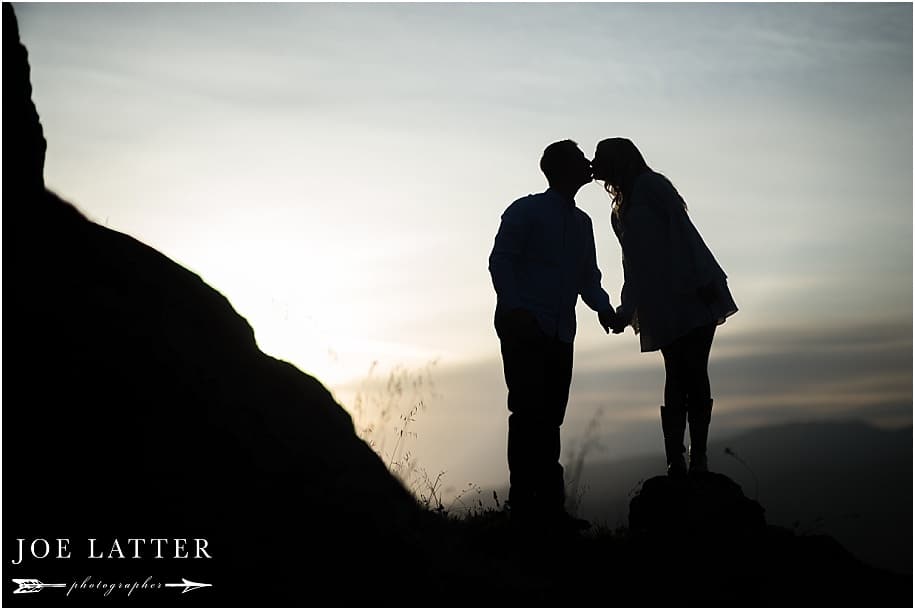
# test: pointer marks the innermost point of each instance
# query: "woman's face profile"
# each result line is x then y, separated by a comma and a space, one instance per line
604, 166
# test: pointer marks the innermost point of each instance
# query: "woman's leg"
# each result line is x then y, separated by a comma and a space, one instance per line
699, 395
676, 374
698, 387
673, 412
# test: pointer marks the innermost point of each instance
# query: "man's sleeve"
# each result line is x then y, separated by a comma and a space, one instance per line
505, 254
592, 293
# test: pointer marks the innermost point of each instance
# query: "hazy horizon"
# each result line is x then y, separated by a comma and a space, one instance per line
338, 173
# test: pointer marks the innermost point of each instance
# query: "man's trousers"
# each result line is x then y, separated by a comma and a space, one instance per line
538, 373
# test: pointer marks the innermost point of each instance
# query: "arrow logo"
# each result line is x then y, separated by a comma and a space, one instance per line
187, 584
32, 585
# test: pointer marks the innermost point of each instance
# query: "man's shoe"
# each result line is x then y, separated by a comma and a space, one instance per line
574, 524
521, 514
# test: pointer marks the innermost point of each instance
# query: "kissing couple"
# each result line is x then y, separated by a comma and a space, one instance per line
674, 296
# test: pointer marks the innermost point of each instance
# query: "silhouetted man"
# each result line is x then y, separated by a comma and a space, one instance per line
543, 258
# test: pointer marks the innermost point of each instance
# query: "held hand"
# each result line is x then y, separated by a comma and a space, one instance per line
619, 324
607, 318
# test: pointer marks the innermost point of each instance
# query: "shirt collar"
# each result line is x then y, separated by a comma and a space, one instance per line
556, 195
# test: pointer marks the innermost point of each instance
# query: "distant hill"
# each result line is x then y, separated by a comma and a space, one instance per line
846, 479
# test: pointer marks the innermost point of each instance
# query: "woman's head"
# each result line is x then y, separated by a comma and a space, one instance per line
618, 163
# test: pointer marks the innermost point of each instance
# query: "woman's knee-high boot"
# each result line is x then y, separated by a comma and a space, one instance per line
673, 425
700, 416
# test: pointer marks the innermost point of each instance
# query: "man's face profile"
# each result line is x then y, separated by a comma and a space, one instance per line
576, 166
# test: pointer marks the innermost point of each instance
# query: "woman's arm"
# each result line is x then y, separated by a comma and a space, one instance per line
642, 244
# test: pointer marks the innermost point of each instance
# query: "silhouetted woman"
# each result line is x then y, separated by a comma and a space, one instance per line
674, 292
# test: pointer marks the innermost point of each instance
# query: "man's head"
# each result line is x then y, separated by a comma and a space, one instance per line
565, 166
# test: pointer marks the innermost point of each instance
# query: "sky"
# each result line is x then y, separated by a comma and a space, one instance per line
338, 171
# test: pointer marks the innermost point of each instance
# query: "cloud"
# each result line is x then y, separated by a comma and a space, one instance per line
759, 378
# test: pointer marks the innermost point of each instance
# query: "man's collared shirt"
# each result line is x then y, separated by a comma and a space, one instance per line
543, 258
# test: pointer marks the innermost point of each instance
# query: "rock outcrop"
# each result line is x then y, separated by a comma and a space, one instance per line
706, 505
710, 545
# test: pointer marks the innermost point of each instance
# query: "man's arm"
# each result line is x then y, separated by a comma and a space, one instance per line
592, 293
506, 252
590, 289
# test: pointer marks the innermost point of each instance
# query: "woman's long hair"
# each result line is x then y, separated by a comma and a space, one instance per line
628, 164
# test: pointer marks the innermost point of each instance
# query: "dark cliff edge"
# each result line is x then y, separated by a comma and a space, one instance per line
136, 405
